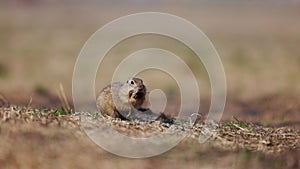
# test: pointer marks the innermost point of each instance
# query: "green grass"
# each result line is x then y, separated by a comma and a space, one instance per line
61, 111
241, 124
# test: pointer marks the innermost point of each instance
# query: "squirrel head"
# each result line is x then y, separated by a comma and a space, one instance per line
136, 91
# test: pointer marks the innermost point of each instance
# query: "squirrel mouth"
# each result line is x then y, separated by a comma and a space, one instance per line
136, 95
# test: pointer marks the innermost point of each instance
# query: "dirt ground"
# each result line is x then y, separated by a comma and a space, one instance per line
33, 138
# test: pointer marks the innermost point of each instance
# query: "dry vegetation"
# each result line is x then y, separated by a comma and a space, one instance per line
58, 136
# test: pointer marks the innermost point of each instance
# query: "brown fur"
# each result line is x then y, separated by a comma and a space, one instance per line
118, 100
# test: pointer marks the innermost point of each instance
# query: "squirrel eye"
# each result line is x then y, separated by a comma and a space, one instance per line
131, 82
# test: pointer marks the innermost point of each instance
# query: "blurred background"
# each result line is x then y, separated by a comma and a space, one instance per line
258, 43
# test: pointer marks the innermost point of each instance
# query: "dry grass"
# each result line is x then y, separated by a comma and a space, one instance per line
48, 138
227, 135
231, 134
44, 117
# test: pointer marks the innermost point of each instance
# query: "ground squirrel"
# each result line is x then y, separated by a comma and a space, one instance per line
125, 100
119, 100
